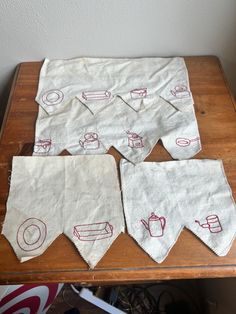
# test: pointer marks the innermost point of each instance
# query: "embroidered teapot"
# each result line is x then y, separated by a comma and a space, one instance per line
90, 141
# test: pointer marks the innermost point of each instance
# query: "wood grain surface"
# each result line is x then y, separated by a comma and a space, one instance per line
125, 261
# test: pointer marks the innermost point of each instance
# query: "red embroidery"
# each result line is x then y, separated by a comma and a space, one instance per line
155, 225
96, 95
212, 223
94, 231
31, 226
42, 146
134, 140
183, 142
180, 91
90, 141
138, 93
53, 97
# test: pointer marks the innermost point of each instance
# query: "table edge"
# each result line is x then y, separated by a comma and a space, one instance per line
91, 277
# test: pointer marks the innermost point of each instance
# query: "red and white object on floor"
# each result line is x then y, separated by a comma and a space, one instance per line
28, 299
87, 295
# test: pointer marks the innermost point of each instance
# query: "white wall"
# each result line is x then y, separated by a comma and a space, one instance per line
34, 29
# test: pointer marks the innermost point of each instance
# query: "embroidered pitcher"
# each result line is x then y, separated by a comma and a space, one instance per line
155, 225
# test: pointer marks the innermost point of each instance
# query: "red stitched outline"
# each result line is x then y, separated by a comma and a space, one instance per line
180, 91
52, 101
47, 102
18, 231
38, 237
207, 224
106, 234
132, 137
92, 140
96, 95
183, 141
138, 93
44, 144
159, 219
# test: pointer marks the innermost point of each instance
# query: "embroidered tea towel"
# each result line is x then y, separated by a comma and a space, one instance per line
213, 215
76, 95
133, 134
96, 218
150, 216
33, 219
161, 198
96, 80
75, 195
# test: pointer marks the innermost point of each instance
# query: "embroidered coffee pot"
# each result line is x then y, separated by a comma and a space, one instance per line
155, 225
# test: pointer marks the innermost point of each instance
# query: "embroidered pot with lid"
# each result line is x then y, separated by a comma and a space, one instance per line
155, 225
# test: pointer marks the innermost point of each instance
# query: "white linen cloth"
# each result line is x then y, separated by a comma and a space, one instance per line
132, 133
160, 199
75, 195
88, 105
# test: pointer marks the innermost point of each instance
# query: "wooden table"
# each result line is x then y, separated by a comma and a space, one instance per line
125, 261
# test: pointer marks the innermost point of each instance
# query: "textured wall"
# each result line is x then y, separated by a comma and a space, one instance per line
33, 29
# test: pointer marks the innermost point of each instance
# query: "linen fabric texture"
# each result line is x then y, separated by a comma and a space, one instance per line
75, 195
160, 199
88, 105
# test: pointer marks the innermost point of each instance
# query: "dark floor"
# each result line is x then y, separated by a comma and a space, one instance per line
68, 299
137, 298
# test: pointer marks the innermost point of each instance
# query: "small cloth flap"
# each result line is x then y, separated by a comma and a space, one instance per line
33, 219
161, 198
152, 215
97, 216
75, 195
214, 217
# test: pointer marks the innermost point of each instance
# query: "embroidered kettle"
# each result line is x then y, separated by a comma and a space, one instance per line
155, 225
90, 141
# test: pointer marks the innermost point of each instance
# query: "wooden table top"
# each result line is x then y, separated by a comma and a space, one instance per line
125, 261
